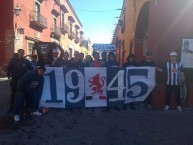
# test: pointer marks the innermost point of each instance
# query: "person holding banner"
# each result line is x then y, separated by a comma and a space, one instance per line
75, 62
130, 63
65, 61
56, 61
29, 88
96, 62
112, 60
88, 61
45, 52
81, 57
175, 76
34, 63
112, 63
148, 62
104, 59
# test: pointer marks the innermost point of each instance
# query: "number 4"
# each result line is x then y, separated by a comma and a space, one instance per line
119, 88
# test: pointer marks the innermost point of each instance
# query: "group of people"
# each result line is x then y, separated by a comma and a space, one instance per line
27, 76
26, 84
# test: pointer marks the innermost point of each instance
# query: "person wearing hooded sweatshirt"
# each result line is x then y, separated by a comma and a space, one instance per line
130, 63
112, 62
29, 88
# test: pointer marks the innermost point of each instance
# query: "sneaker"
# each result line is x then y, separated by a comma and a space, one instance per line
37, 113
16, 118
179, 108
166, 108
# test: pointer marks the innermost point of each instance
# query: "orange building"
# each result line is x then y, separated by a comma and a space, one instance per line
38, 20
159, 26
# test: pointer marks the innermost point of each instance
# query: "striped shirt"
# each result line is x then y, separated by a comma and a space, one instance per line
173, 73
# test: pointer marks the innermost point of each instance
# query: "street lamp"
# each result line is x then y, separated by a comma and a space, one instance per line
17, 10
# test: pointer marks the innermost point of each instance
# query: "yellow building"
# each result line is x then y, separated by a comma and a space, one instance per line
73, 35
126, 28
160, 26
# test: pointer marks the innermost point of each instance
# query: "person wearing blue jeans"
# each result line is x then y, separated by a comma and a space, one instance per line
29, 88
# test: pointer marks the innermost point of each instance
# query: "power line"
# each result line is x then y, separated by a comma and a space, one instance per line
102, 11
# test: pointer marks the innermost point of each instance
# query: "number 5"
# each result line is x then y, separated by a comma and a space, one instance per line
139, 88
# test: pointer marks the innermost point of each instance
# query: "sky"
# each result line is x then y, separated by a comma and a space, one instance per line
98, 18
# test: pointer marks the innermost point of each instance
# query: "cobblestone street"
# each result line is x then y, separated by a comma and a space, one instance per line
141, 126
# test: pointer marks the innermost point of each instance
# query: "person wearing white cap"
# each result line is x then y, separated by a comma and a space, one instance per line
174, 76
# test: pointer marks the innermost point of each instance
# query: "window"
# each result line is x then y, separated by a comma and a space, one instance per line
70, 27
54, 21
37, 7
76, 32
62, 20
70, 53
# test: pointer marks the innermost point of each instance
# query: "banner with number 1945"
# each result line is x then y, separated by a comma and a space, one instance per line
96, 87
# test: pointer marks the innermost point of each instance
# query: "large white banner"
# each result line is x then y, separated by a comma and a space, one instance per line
187, 53
96, 87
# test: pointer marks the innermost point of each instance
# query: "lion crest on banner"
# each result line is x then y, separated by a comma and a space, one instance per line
96, 83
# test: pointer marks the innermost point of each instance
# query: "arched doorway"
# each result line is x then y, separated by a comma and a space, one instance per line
141, 32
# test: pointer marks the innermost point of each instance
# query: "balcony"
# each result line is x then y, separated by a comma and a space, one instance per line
71, 35
55, 12
64, 29
37, 20
76, 40
55, 31
57, 2
64, 9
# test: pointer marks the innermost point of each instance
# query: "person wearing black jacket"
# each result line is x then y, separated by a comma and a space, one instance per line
29, 88
75, 62
112, 62
130, 63
16, 68
149, 62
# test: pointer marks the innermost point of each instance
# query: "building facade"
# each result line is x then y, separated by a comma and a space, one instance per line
159, 26
38, 20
